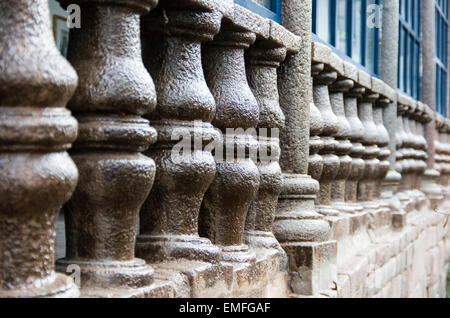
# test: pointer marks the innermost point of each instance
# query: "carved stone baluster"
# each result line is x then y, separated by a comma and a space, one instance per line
322, 54
430, 181
315, 161
115, 178
236, 183
410, 143
356, 138
37, 175
420, 117
383, 136
344, 147
172, 53
262, 62
366, 185
403, 164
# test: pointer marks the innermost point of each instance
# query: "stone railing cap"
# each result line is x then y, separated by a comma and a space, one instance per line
249, 21
350, 71
405, 100
283, 37
364, 79
320, 53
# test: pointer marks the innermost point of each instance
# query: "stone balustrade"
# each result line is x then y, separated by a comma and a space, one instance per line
211, 152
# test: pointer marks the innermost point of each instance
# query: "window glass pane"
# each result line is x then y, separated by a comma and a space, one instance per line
356, 31
341, 31
323, 19
264, 3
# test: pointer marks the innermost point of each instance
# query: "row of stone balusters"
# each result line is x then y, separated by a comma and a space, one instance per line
182, 89
442, 146
411, 156
349, 143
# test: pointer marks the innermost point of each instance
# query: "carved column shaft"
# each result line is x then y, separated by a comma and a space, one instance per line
263, 59
236, 183
172, 52
366, 185
115, 178
37, 175
344, 147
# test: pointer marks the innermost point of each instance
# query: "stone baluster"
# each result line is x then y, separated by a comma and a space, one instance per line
315, 161
298, 227
381, 104
404, 165
173, 35
420, 118
263, 60
344, 146
411, 143
356, 138
323, 55
439, 160
366, 185
37, 175
236, 183
114, 91
430, 179
445, 153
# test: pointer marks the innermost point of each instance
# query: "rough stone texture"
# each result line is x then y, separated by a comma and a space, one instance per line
186, 107
37, 175
115, 178
236, 182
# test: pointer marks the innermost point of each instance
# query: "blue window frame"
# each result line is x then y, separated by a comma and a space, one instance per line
441, 24
343, 24
409, 50
267, 8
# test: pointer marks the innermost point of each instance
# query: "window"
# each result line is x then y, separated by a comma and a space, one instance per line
267, 8
409, 71
352, 28
441, 23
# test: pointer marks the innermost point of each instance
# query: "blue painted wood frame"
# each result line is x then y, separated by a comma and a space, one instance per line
441, 24
273, 13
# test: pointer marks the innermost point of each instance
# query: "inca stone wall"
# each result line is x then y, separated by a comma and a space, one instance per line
308, 177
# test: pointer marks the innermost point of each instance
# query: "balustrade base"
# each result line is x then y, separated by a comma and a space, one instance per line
128, 277
159, 248
237, 254
312, 266
260, 239
55, 286
347, 207
327, 210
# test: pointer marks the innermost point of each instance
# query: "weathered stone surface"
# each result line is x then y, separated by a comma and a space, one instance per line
115, 178
37, 175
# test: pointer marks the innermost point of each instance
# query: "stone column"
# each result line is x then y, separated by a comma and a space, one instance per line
431, 175
366, 185
315, 161
236, 183
388, 73
263, 60
37, 175
115, 178
344, 146
298, 227
356, 137
380, 106
323, 55
173, 36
